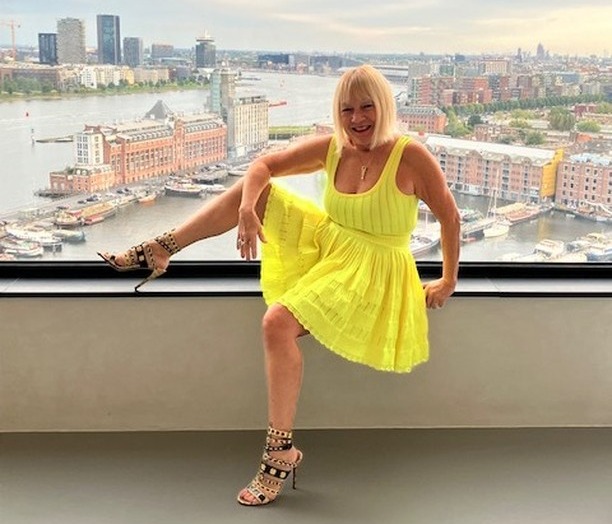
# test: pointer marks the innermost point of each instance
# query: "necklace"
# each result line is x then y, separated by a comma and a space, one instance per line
364, 166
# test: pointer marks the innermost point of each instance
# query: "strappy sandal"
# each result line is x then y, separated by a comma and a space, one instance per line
273, 472
141, 257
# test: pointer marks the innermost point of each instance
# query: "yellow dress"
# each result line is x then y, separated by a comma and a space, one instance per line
346, 272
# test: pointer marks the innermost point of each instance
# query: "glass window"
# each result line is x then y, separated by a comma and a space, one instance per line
109, 133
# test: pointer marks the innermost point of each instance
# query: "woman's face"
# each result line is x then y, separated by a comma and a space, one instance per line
358, 116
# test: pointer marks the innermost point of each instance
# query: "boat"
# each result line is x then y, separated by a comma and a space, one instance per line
423, 242
470, 215
97, 212
64, 219
21, 248
70, 235
147, 198
213, 188
46, 239
183, 189
474, 229
529, 212
550, 248
500, 226
599, 253
497, 229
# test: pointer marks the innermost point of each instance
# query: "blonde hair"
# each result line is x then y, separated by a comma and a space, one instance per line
366, 81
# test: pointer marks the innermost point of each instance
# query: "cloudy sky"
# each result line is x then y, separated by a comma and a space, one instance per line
375, 26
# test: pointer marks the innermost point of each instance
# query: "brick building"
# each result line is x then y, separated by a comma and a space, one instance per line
161, 144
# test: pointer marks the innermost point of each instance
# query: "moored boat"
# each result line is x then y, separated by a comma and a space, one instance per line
550, 248
21, 248
498, 229
183, 189
423, 242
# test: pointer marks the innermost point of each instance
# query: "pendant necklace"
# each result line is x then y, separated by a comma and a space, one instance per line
364, 167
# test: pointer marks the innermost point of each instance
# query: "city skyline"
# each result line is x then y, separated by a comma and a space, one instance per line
564, 27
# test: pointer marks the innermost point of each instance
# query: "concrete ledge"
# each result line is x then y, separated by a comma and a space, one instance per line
134, 363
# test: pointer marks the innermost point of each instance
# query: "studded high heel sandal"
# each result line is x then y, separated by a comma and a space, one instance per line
141, 257
273, 472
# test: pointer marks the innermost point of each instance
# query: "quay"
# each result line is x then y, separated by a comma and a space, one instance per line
56, 139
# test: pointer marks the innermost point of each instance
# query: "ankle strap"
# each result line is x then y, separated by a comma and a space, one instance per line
168, 242
278, 440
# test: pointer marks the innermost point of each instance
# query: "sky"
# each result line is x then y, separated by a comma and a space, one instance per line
565, 27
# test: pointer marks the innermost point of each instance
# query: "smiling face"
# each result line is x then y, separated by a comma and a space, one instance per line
358, 117
364, 109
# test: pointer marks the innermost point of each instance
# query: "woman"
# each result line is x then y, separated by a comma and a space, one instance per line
343, 274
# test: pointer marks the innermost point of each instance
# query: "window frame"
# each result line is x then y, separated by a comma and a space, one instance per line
185, 269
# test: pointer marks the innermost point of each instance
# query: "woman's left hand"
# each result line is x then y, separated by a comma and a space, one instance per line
437, 292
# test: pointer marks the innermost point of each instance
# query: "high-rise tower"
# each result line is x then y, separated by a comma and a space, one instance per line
71, 41
132, 51
109, 39
206, 51
47, 48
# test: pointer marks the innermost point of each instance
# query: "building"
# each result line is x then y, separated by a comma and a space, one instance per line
514, 173
428, 119
584, 184
71, 41
132, 51
432, 90
50, 76
151, 75
222, 91
47, 48
247, 125
206, 52
494, 66
160, 51
159, 145
109, 39
246, 117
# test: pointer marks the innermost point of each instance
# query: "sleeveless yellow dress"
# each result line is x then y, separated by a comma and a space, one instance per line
346, 272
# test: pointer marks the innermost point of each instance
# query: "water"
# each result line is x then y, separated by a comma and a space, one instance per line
25, 167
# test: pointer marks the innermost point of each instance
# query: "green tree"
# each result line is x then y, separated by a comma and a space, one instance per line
561, 119
534, 138
474, 120
588, 126
519, 123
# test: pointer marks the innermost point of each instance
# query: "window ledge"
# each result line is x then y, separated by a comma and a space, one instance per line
249, 287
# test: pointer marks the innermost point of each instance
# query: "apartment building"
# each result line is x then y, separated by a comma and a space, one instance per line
515, 173
428, 119
585, 181
71, 41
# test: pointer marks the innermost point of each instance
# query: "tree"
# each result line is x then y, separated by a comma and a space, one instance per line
588, 126
561, 119
534, 138
474, 120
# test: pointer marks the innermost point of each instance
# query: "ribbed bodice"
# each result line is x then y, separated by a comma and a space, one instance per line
383, 209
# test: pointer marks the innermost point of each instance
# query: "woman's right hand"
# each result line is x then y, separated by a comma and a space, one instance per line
250, 230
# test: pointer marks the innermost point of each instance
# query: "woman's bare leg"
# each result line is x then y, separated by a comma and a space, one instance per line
284, 368
215, 217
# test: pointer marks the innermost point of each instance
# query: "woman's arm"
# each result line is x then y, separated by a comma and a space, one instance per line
430, 186
305, 156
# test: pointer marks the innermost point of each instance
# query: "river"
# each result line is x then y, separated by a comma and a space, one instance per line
25, 167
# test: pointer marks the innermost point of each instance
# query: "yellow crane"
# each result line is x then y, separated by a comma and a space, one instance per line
13, 25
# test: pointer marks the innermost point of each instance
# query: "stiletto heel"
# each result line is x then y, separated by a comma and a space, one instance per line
273, 472
142, 257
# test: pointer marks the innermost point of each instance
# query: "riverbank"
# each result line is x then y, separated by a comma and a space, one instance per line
114, 91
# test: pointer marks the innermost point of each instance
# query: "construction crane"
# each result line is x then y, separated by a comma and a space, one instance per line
13, 25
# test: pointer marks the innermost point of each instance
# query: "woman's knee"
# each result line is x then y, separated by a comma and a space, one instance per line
279, 323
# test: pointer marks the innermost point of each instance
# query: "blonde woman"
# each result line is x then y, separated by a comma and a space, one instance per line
344, 273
